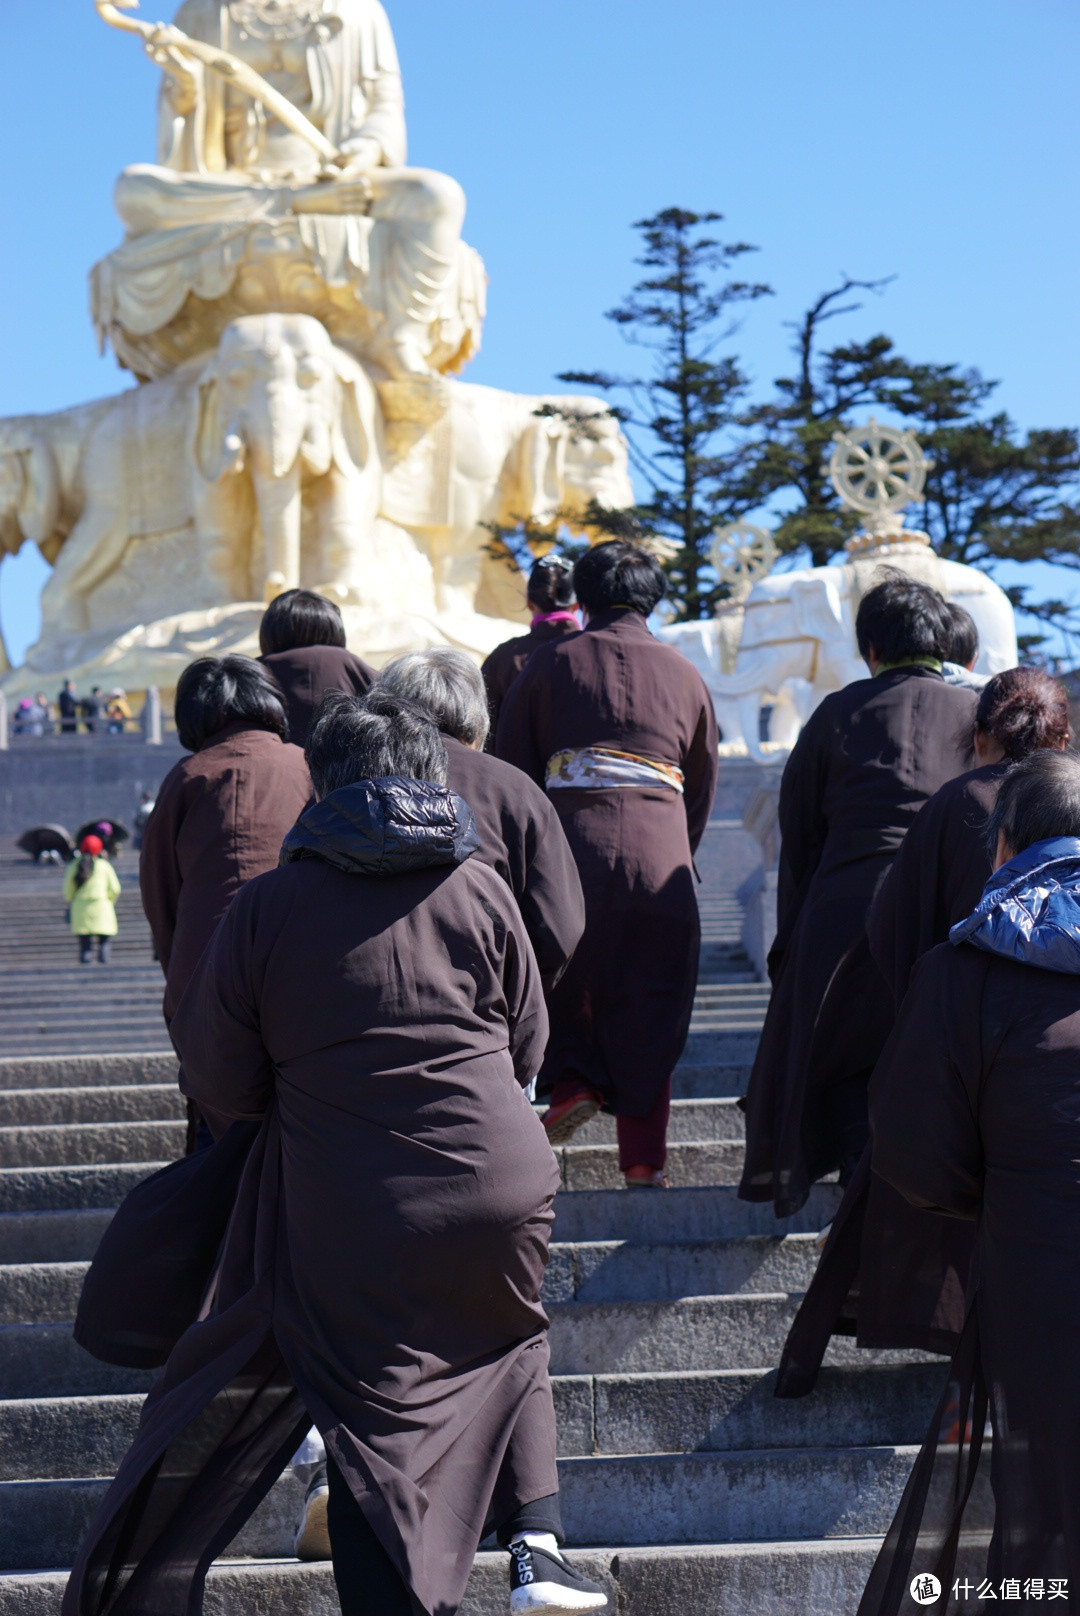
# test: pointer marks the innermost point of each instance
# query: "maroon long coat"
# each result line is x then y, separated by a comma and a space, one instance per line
502, 666
382, 1271
306, 673
864, 764
891, 1274
620, 1014
521, 838
220, 819
975, 1110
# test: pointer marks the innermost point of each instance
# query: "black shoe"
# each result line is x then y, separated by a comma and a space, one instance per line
313, 1536
544, 1584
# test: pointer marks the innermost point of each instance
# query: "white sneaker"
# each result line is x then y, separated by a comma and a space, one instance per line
313, 1534
547, 1585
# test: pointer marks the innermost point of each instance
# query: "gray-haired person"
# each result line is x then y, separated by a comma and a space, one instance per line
520, 834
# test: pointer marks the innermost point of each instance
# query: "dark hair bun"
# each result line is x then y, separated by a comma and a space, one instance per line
1024, 710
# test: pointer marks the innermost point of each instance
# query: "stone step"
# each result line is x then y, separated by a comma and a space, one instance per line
648, 1217
133, 1102
159, 1066
715, 1081
93, 1040
36, 1291
741, 1331
596, 1167
52, 1237
813, 1578
87, 1143
712, 1046
617, 1271
634, 1500
52, 1189
700, 1412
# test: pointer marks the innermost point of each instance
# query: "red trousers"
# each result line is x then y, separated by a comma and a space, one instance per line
642, 1140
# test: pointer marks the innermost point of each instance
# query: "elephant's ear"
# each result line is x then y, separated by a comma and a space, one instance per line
30, 486
209, 443
541, 470
351, 445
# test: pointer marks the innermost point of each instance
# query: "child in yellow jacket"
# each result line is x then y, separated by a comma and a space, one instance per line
91, 887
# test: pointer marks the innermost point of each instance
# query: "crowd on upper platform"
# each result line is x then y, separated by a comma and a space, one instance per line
389, 906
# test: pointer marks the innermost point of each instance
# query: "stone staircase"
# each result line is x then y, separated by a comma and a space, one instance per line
686, 1485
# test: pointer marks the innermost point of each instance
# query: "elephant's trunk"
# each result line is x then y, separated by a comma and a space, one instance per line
274, 428
278, 501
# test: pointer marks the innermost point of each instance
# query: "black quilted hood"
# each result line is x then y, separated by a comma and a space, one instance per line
385, 827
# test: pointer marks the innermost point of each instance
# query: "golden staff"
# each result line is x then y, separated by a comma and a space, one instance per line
168, 40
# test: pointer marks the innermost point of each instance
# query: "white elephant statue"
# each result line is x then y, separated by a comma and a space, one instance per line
267, 456
496, 459
797, 641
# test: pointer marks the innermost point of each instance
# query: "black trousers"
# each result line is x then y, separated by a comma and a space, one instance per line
368, 1583
86, 948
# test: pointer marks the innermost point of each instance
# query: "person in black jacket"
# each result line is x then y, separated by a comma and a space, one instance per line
68, 703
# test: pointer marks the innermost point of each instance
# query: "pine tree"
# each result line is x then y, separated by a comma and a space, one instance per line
678, 413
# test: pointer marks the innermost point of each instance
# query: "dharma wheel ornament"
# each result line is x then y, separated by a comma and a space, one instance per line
742, 554
879, 471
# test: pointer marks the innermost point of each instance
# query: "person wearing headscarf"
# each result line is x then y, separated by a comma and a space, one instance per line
520, 833
865, 762
374, 1006
91, 887
302, 648
892, 1275
619, 728
975, 1114
551, 598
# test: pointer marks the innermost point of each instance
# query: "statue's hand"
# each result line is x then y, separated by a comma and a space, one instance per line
351, 193
183, 83
362, 155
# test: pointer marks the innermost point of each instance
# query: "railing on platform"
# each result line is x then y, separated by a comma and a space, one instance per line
22, 726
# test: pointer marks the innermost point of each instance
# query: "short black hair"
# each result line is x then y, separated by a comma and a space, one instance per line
370, 737
900, 619
215, 691
618, 573
300, 617
963, 635
1024, 710
551, 584
1039, 798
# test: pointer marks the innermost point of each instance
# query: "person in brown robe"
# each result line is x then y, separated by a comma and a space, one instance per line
302, 645
867, 759
551, 596
620, 729
520, 833
375, 1005
890, 1274
221, 815
975, 1113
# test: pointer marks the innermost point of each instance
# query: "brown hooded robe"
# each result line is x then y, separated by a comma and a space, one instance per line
620, 1015
382, 1270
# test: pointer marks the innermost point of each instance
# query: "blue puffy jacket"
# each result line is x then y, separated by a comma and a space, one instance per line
1030, 908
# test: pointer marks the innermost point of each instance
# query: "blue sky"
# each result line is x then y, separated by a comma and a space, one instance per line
936, 141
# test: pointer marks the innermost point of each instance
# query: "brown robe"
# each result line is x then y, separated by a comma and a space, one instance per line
306, 673
220, 819
502, 666
975, 1111
521, 839
620, 1015
891, 1274
382, 1271
864, 764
